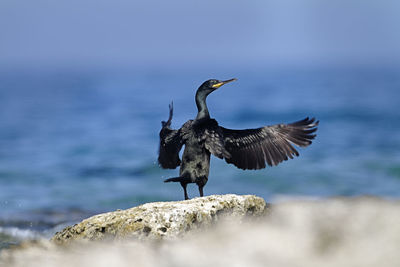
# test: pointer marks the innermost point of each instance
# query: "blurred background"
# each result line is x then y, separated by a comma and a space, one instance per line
85, 84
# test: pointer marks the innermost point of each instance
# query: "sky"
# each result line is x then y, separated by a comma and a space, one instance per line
89, 33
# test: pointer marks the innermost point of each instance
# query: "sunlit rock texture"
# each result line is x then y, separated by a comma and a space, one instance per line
164, 220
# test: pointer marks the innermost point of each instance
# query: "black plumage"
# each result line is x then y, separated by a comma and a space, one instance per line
246, 149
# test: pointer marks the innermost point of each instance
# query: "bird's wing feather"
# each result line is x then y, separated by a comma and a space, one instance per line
170, 144
214, 140
252, 148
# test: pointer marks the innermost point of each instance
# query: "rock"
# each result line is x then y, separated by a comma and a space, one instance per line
345, 232
163, 220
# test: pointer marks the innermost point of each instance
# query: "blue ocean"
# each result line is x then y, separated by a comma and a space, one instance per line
76, 143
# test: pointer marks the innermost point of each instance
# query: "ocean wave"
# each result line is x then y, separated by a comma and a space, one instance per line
20, 234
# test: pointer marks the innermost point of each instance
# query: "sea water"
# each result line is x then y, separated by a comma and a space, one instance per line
76, 143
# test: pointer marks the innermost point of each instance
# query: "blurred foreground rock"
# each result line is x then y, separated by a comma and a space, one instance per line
345, 232
163, 220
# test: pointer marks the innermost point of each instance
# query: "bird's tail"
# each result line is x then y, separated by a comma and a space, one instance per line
177, 179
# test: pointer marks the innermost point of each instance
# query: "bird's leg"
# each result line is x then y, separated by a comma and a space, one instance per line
201, 182
184, 185
201, 190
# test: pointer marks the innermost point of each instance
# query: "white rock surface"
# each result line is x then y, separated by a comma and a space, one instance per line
163, 220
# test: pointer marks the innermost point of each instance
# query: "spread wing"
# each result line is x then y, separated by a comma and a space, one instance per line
214, 140
252, 148
170, 144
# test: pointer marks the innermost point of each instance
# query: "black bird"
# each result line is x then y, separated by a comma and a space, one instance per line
246, 149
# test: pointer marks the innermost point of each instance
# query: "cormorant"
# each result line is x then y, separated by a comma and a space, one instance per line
246, 149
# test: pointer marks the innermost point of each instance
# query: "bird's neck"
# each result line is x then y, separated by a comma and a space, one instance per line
202, 110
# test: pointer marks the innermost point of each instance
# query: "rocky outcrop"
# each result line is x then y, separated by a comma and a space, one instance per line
164, 220
343, 232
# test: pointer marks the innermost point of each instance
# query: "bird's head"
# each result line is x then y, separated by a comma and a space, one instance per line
211, 85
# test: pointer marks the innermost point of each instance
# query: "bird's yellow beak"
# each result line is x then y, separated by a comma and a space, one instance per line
218, 85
